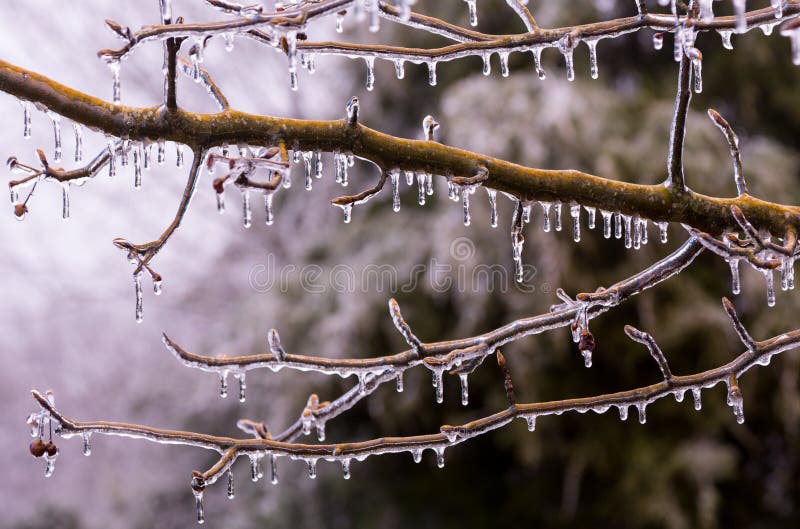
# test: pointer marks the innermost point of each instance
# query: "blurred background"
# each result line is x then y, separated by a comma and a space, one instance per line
68, 299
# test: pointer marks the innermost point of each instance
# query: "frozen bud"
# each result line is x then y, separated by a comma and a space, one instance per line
429, 126
352, 111
119, 30
198, 482
586, 342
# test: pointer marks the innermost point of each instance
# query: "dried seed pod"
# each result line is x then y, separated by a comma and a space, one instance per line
51, 448
38, 448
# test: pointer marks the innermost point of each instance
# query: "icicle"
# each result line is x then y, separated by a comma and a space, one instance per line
503, 63
228, 38
465, 193
137, 284
220, 203
116, 92
531, 420
592, 214
78, 132
399, 68
617, 225
254, 468
473, 12
320, 430
794, 36
26, 119
242, 386
429, 184
178, 155
231, 491
346, 468
628, 234
726, 39
318, 165
417, 455
65, 200
658, 41
735, 283
223, 384
166, 10
487, 63
162, 151
56, 119
123, 151
268, 208
557, 215
247, 214
537, 63
642, 412
370, 72
637, 233
309, 168
766, 29
644, 235
137, 166
157, 285
312, 468
623, 412
777, 5
697, 66
493, 206
291, 58
736, 402
146, 155
399, 381
770, 288
439, 456
706, 10
546, 217
606, 223
347, 209
575, 212
374, 18
662, 229
340, 21
87, 444
432, 73
464, 389
592, 58
50, 466
567, 45
273, 466
739, 9
395, 177
698, 400
438, 383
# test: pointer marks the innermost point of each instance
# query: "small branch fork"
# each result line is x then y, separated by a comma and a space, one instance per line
263, 444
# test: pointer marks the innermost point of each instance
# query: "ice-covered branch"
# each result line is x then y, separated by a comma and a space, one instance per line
733, 143
445, 355
200, 131
677, 132
262, 445
655, 351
